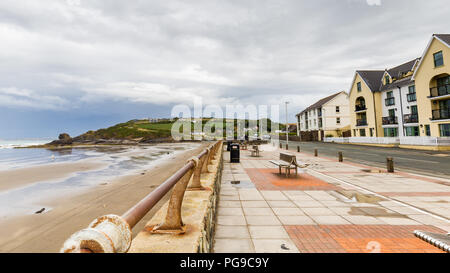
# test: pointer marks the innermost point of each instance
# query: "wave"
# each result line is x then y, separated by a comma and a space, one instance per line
17, 143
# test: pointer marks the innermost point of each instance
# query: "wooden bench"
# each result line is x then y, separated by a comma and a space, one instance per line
255, 151
288, 162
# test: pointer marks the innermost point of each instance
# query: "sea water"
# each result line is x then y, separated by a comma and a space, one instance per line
118, 161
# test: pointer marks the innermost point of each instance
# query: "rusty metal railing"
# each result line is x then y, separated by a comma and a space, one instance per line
112, 233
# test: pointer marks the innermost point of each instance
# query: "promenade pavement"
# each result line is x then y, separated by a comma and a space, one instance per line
329, 207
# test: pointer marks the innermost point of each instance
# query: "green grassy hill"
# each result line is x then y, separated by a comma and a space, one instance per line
145, 130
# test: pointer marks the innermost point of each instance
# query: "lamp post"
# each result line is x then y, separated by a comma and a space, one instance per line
287, 128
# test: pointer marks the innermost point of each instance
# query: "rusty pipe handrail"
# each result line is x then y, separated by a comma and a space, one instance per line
112, 233
137, 212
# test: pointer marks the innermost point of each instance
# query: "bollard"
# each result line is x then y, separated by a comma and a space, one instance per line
315, 152
298, 149
341, 158
287, 146
390, 164
281, 145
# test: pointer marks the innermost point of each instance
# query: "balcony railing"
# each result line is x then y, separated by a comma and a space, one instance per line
360, 108
440, 91
361, 122
390, 120
441, 114
389, 101
411, 118
411, 97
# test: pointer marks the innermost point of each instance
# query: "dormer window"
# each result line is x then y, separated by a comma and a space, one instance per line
386, 80
358, 86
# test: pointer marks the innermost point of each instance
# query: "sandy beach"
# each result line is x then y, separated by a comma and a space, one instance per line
46, 232
16, 178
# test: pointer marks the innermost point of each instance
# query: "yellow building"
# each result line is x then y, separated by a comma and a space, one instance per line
406, 106
365, 101
432, 78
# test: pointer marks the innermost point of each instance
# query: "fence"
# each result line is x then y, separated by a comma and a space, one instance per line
112, 233
408, 140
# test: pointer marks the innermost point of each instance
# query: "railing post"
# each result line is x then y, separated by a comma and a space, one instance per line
173, 222
205, 165
196, 184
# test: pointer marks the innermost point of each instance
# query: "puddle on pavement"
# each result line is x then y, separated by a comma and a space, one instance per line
242, 184
371, 171
359, 197
378, 212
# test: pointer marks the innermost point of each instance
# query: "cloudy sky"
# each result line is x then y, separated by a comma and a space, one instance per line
75, 65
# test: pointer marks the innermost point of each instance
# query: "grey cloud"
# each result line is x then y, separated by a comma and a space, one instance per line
165, 52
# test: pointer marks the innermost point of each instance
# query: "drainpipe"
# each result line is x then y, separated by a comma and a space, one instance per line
401, 109
375, 114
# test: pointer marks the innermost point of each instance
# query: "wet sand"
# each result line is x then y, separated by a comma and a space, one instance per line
46, 232
17, 178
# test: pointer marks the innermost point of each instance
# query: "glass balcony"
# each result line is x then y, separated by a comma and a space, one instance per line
389, 101
361, 122
360, 108
441, 114
440, 91
411, 97
411, 118
390, 120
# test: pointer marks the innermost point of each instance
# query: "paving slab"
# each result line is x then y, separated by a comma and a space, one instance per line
267, 212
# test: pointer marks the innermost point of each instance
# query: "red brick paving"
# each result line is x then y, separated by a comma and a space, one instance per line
270, 179
360, 239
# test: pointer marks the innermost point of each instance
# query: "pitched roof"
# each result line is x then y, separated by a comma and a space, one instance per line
397, 71
444, 37
398, 83
372, 78
321, 102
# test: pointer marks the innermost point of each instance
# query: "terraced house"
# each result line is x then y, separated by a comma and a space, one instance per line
406, 106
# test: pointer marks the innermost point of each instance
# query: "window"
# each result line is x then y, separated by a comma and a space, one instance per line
358, 85
362, 132
445, 130
438, 59
412, 131
386, 80
390, 100
411, 96
338, 120
427, 130
390, 132
338, 109
414, 110
371, 132
391, 112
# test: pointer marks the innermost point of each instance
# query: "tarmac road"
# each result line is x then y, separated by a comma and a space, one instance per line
436, 163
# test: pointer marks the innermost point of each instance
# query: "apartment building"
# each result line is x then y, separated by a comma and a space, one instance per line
327, 117
407, 105
432, 78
